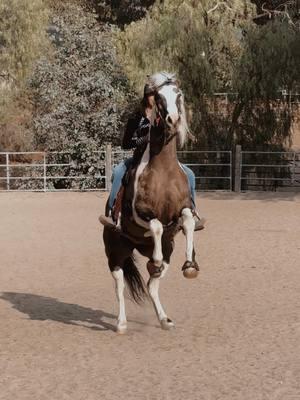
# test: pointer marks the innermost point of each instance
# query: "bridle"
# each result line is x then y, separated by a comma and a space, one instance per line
160, 112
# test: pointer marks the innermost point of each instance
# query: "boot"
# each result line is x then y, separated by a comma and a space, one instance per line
108, 222
199, 224
199, 221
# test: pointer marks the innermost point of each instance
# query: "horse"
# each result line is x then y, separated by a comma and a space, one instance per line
156, 205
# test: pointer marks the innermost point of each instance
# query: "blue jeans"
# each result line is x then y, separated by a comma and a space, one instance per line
192, 181
120, 170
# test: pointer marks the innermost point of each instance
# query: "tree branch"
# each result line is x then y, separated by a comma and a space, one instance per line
221, 3
271, 13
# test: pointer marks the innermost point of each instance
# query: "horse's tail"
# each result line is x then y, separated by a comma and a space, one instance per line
135, 281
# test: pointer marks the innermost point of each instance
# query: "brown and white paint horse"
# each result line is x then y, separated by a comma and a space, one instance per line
156, 205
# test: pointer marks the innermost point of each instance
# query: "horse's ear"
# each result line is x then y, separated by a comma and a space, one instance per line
178, 83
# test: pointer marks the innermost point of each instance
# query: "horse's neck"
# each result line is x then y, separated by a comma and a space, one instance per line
167, 155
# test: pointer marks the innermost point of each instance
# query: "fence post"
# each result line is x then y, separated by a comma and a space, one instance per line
231, 172
108, 167
45, 174
294, 169
238, 160
7, 172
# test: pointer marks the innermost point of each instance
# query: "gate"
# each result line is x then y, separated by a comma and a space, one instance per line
267, 171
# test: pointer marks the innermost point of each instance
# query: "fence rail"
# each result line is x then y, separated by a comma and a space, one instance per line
61, 171
36, 171
266, 170
214, 170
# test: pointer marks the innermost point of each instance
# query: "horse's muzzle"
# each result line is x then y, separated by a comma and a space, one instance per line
172, 121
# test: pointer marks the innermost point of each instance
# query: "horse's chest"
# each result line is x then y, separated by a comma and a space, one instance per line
162, 194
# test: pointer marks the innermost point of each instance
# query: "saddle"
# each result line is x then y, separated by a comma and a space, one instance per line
117, 207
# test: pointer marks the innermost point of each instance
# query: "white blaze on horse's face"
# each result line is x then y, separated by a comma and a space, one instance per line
170, 95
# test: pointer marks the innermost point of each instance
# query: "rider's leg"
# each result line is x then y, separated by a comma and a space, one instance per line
118, 174
199, 223
192, 180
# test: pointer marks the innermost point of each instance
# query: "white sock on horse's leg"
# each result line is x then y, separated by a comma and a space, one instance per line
153, 287
188, 224
118, 276
156, 230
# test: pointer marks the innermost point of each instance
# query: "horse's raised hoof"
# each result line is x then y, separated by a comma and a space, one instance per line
167, 324
190, 269
154, 270
121, 329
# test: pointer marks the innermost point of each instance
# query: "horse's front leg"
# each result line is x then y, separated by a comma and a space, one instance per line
155, 265
190, 267
153, 288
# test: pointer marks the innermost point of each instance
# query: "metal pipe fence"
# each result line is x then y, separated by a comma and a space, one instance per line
214, 170
53, 171
266, 170
62, 171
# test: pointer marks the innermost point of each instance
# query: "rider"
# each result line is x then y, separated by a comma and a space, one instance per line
136, 137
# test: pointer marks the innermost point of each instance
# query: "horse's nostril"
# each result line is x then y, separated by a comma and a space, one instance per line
169, 119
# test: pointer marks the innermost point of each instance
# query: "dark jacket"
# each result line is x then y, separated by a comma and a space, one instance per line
136, 134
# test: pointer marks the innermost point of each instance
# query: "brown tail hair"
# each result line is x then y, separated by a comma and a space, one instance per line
135, 281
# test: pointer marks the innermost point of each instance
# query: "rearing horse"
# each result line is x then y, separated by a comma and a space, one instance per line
156, 205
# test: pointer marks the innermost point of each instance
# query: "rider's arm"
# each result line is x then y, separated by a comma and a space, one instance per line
136, 133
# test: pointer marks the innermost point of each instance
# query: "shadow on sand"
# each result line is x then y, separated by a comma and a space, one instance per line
43, 308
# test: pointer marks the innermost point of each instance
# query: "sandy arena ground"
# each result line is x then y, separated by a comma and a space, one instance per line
237, 332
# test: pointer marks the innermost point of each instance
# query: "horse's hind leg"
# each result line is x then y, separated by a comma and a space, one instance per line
153, 287
118, 276
190, 268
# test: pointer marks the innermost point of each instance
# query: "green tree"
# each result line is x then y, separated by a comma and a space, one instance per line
22, 36
80, 93
270, 63
199, 41
22, 40
217, 47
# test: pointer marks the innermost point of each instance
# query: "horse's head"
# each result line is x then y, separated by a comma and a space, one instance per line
170, 104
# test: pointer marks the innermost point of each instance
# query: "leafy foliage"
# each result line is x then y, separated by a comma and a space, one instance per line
269, 63
216, 47
22, 35
121, 12
80, 93
190, 38
22, 40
